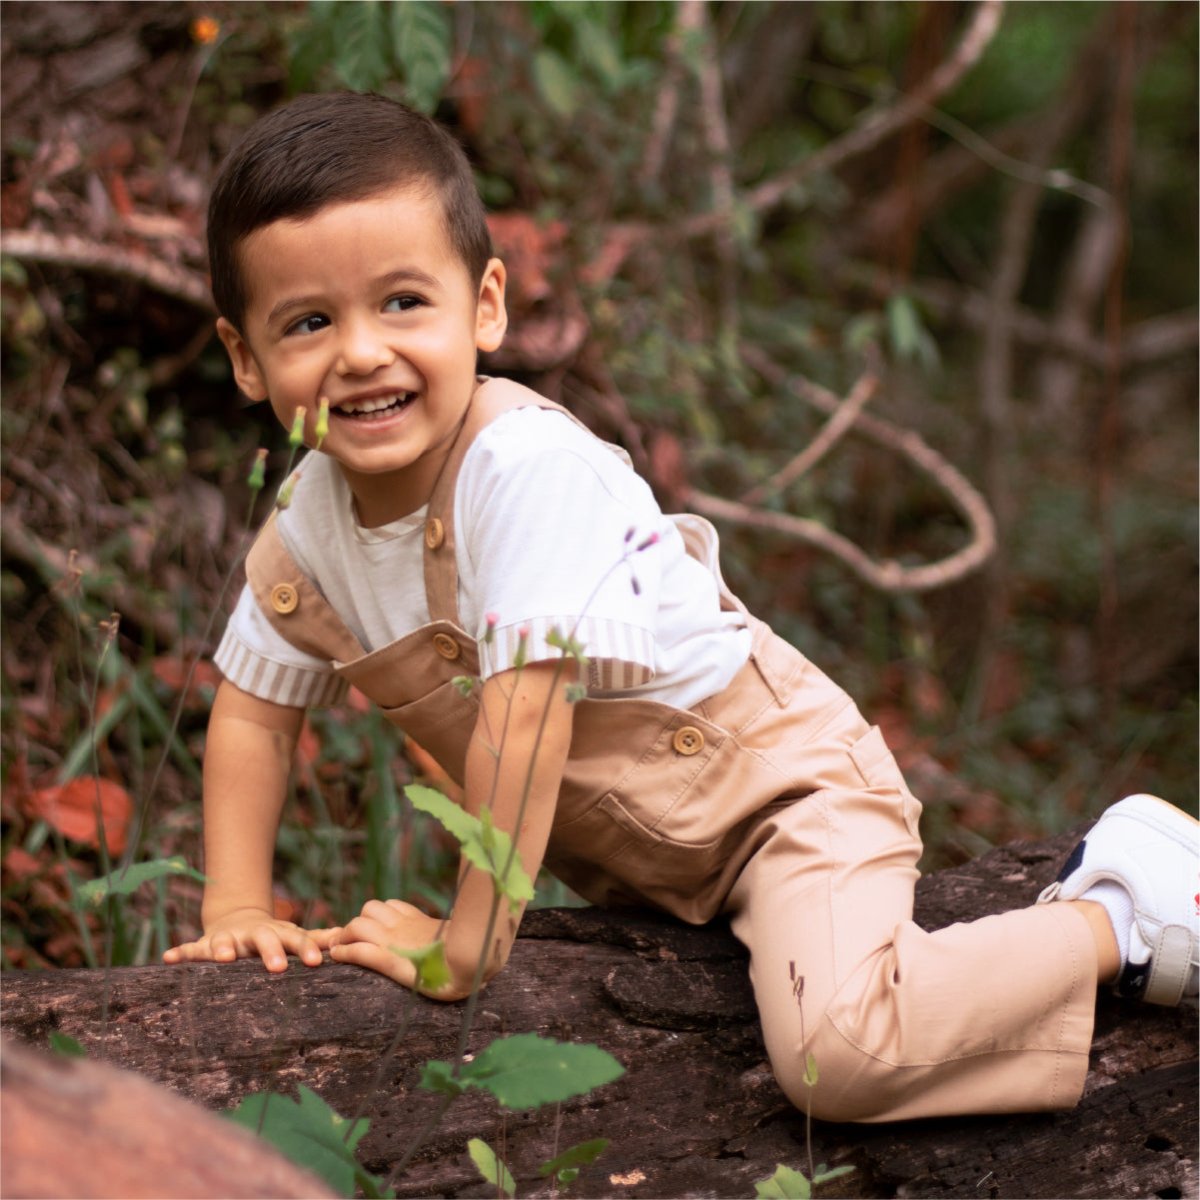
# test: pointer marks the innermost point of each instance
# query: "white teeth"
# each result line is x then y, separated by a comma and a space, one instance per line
363, 407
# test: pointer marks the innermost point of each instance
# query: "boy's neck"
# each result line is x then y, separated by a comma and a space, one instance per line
381, 499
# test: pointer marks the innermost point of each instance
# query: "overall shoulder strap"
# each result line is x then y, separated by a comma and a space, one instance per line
292, 603
492, 399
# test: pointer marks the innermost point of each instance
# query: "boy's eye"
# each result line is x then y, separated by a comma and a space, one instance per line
401, 303
309, 324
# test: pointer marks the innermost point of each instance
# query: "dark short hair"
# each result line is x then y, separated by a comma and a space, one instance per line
330, 149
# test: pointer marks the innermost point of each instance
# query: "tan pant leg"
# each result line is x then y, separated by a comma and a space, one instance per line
991, 1016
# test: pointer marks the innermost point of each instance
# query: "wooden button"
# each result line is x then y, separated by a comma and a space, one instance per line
446, 646
688, 740
284, 598
435, 534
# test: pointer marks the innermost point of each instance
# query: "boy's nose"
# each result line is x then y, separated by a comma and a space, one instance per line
362, 350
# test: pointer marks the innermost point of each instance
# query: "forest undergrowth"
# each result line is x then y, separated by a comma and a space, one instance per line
720, 254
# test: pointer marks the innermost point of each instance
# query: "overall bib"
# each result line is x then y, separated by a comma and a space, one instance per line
774, 802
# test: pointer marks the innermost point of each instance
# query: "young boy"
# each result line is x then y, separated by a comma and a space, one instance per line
447, 525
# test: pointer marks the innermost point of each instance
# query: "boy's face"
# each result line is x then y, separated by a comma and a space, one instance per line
367, 304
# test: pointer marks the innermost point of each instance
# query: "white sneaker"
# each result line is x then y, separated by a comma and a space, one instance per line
1152, 849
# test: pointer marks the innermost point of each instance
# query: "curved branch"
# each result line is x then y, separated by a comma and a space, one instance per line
72, 251
831, 433
880, 125
887, 575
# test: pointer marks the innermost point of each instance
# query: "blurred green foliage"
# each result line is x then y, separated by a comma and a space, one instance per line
592, 115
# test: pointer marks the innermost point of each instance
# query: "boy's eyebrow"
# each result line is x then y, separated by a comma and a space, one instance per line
405, 275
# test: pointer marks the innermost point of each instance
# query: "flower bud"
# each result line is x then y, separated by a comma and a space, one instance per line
285, 493
322, 420
296, 437
258, 472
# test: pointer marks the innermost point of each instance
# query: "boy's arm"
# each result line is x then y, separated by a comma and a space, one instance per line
524, 718
247, 760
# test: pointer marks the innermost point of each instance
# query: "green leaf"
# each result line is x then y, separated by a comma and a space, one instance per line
432, 971
122, 882
439, 1077
66, 1045
577, 1156
556, 83
359, 44
785, 1184
907, 333
421, 43
527, 1071
310, 1133
482, 843
491, 1167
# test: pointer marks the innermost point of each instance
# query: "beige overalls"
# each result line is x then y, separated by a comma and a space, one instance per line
776, 803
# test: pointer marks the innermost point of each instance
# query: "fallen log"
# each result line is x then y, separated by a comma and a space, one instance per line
74, 1127
697, 1112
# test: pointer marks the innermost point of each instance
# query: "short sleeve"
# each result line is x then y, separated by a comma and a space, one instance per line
561, 537
255, 658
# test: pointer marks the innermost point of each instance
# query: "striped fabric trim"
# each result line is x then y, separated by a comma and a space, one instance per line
297, 687
620, 656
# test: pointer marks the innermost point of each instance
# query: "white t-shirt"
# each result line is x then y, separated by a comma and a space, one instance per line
543, 514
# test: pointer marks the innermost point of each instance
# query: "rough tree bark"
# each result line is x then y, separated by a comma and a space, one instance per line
697, 1112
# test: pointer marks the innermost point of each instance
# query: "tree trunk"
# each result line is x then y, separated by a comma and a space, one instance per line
697, 1112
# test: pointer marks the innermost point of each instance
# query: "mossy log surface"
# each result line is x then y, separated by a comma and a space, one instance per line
696, 1113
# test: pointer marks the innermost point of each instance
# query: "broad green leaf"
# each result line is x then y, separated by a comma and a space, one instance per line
309, 1132
432, 971
785, 1184
66, 1045
421, 43
438, 1076
556, 82
122, 882
527, 1071
482, 844
491, 1166
442, 809
577, 1156
359, 44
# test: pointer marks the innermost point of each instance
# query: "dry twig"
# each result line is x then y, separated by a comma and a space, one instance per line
72, 251
880, 124
831, 433
888, 575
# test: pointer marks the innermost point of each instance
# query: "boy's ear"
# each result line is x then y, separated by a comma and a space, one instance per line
245, 366
491, 315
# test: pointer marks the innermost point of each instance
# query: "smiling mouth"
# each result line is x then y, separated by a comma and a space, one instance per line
374, 410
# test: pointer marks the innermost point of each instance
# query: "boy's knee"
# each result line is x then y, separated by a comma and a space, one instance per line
851, 1084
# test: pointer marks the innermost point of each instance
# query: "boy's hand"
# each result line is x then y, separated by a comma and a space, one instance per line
247, 933
366, 940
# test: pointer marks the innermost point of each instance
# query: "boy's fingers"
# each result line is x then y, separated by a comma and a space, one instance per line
324, 938
379, 911
375, 958
269, 948
305, 948
364, 929
408, 910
